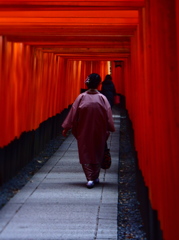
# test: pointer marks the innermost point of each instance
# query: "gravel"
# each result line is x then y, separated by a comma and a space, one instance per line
130, 223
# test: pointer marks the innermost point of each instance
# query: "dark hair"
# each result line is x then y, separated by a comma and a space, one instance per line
108, 77
93, 80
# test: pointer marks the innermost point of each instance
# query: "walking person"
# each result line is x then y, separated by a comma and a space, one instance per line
90, 119
108, 89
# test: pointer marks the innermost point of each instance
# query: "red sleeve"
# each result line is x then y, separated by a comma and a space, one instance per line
68, 122
111, 127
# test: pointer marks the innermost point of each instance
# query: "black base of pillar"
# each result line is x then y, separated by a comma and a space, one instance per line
149, 215
20, 152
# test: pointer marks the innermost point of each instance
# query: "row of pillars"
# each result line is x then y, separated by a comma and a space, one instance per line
36, 86
152, 97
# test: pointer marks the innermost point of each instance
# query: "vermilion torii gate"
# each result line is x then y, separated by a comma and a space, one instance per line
47, 48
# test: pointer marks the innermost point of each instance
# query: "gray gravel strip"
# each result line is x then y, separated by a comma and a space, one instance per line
130, 223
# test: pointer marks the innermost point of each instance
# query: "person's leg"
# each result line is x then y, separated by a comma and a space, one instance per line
106, 146
92, 173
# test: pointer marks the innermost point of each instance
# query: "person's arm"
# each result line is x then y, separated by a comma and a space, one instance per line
111, 127
64, 132
69, 120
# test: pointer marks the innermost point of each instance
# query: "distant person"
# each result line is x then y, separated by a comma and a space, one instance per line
108, 89
90, 119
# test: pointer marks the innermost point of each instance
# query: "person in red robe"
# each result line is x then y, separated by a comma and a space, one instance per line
90, 119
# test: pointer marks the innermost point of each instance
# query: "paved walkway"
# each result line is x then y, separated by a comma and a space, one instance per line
56, 205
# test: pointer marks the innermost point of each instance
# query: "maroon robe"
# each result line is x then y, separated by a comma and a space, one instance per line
90, 118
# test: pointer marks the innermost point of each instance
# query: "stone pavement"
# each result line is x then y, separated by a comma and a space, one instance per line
56, 205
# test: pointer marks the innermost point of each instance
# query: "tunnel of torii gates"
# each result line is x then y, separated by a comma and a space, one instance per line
47, 49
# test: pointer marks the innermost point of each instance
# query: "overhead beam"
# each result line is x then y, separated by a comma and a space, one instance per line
5, 21
69, 40
96, 57
69, 14
80, 50
69, 5
71, 31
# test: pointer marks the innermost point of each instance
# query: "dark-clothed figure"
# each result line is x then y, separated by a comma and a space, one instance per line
90, 119
108, 89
